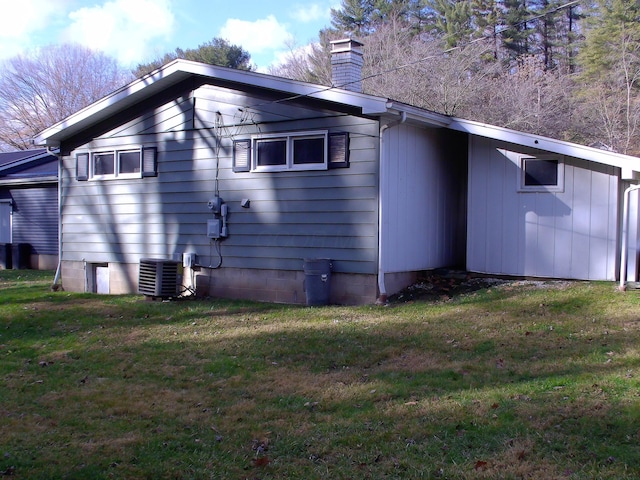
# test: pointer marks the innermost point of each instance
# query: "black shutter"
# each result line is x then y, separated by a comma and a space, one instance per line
82, 167
241, 156
338, 150
149, 162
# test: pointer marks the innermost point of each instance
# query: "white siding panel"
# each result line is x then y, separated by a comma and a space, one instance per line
420, 191
566, 234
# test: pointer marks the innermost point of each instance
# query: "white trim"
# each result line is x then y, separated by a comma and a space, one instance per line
116, 175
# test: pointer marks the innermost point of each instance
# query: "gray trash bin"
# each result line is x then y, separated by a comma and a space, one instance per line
21, 256
5, 256
317, 280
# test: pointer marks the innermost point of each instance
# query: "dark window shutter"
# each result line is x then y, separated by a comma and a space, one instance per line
82, 167
149, 162
338, 150
242, 155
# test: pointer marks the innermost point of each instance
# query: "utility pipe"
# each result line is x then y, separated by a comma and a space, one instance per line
382, 298
625, 234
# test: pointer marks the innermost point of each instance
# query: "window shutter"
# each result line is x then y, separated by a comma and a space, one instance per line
149, 162
82, 167
338, 150
241, 155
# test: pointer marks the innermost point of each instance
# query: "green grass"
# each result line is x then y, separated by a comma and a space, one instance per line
511, 382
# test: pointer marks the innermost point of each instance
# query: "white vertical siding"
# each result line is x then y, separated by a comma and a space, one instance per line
567, 234
420, 189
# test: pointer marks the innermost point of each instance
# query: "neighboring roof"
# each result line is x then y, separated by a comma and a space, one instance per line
552, 145
19, 155
180, 70
37, 165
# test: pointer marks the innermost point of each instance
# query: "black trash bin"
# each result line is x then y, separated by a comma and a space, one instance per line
5, 256
317, 280
21, 256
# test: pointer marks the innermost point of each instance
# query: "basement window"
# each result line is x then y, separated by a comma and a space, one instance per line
541, 174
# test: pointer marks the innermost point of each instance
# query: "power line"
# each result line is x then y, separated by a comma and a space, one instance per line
487, 36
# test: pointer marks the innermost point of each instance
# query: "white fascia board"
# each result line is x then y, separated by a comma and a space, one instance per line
179, 70
547, 144
141, 88
28, 181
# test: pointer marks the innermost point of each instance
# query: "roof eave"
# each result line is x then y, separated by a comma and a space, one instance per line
552, 145
179, 70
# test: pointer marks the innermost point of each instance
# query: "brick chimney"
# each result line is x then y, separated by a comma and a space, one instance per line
346, 64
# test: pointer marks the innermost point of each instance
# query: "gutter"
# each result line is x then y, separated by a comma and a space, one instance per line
625, 234
382, 295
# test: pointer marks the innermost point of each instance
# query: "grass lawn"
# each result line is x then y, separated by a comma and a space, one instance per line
515, 381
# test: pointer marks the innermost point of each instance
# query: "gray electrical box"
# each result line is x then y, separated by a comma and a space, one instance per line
214, 228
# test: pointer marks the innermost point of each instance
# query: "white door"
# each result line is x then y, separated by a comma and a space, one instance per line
102, 279
5, 222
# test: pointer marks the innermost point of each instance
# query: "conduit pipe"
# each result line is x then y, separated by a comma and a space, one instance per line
382, 295
625, 234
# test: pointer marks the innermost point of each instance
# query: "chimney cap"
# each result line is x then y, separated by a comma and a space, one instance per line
346, 45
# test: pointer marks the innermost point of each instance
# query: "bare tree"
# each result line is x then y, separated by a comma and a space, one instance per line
43, 87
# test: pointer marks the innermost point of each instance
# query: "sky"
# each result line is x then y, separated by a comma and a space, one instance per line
139, 31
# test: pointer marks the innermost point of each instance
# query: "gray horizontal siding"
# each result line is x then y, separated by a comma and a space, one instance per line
293, 215
35, 218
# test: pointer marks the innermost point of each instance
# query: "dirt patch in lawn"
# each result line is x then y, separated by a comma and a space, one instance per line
443, 285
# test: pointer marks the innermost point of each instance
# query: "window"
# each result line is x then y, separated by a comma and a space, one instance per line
296, 151
299, 151
105, 165
541, 174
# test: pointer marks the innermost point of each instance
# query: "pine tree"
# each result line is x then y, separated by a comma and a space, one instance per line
610, 61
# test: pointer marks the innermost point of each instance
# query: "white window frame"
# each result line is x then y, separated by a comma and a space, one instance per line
558, 187
289, 138
116, 167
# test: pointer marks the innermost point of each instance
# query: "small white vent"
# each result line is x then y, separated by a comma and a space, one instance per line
158, 278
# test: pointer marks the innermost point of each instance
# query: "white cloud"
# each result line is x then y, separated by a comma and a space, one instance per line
311, 13
21, 20
124, 29
257, 37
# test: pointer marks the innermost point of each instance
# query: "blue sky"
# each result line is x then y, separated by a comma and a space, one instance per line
137, 31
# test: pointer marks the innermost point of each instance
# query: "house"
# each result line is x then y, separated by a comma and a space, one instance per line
239, 177
29, 209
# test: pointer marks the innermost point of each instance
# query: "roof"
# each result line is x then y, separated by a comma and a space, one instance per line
552, 145
38, 165
18, 156
180, 70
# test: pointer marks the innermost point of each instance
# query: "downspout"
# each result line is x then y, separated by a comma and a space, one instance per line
382, 296
56, 280
625, 234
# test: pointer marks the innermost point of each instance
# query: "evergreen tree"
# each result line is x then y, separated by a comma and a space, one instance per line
610, 61
453, 20
215, 52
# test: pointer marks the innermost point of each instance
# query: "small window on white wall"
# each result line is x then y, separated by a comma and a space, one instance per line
541, 174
